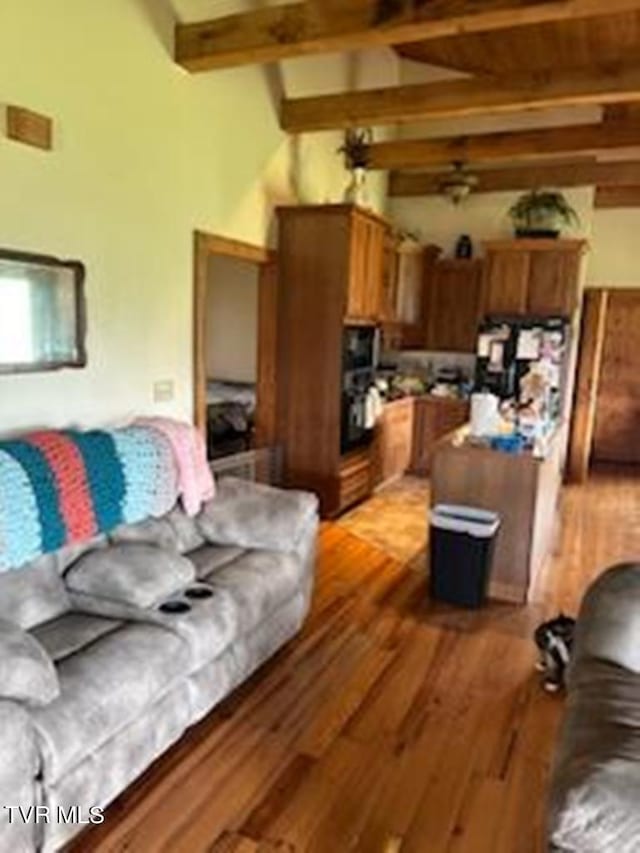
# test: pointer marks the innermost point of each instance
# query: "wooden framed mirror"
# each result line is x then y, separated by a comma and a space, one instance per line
42, 313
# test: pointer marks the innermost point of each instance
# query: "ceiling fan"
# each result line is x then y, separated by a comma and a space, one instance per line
459, 183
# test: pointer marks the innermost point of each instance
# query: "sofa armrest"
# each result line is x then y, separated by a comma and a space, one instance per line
252, 515
139, 576
608, 626
19, 786
27, 673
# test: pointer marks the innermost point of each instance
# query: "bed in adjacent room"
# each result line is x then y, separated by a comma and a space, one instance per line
231, 410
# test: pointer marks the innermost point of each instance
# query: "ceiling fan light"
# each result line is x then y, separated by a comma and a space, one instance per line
458, 185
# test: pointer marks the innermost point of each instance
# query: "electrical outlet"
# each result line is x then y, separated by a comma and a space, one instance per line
163, 391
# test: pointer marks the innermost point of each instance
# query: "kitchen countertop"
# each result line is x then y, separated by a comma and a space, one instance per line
425, 396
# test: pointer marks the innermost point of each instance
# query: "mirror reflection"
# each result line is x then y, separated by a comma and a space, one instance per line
41, 313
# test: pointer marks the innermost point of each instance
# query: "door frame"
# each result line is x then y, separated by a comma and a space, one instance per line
206, 246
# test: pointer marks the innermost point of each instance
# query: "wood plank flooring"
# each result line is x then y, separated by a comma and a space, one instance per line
391, 725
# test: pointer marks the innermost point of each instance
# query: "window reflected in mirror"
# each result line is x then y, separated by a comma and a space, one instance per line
42, 313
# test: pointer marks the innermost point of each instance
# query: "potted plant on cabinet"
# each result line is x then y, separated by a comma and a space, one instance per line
542, 213
355, 149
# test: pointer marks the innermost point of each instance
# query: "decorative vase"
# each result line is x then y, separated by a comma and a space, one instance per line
464, 248
356, 192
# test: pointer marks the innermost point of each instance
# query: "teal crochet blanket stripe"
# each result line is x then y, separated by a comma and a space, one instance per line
61, 487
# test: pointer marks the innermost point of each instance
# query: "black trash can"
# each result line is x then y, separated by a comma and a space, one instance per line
462, 542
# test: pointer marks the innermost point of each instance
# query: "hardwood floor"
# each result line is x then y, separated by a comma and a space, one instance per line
391, 725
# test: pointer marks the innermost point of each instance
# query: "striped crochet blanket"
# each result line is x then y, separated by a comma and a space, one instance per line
61, 487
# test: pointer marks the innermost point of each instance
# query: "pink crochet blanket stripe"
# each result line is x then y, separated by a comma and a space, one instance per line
195, 480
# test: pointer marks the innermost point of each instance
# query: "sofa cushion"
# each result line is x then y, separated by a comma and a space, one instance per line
151, 531
103, 688
259, 582
208, 558
71, 632
33, 594
136, 574
27, 673
175, 531
253, 515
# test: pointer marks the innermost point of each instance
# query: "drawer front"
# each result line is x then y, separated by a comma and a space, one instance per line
355, 485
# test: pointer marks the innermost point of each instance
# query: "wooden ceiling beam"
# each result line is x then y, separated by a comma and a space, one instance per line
615, 197
505, 146
323, 26
617, 174
463, 98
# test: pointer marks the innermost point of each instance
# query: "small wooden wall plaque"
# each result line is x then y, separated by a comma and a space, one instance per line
31, 128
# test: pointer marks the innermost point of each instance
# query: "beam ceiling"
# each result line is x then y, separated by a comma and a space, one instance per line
616, 174
505, 146
462, 98
559, 44
299, 29
615, 197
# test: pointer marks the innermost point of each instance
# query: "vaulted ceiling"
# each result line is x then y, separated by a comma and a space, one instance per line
519, 55
547, 47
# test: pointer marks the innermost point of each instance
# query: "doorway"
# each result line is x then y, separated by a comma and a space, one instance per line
606, 415
234, 359
616, 434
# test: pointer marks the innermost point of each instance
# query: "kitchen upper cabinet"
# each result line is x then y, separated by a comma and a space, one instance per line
389, 295
365, 286
553, 282
404, 324
453, 305
539, 277
506, 282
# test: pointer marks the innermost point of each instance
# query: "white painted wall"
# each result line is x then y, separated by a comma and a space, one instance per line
483, 216
144, 154
615, 252
232, 320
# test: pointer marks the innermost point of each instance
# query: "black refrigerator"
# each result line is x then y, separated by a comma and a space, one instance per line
508, 347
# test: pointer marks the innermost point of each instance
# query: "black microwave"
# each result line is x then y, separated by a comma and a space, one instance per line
359, 348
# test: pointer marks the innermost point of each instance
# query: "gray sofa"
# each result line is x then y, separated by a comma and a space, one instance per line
594, 804
97, 679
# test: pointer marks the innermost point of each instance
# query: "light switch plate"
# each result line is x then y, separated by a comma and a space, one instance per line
163, 391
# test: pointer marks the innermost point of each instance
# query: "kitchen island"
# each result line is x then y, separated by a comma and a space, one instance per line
523, 489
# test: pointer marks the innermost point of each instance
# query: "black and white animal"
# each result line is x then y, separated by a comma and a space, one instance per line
554, 640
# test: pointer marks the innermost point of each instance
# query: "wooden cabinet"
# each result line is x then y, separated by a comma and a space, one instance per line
506, 278
434, 417
392, 447
408, 268
389, 295
453, 305
365, 286
553, 282
330, 271
539, 277
355, 478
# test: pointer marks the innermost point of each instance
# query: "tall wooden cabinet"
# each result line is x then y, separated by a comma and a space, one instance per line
331, 273
540, 277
